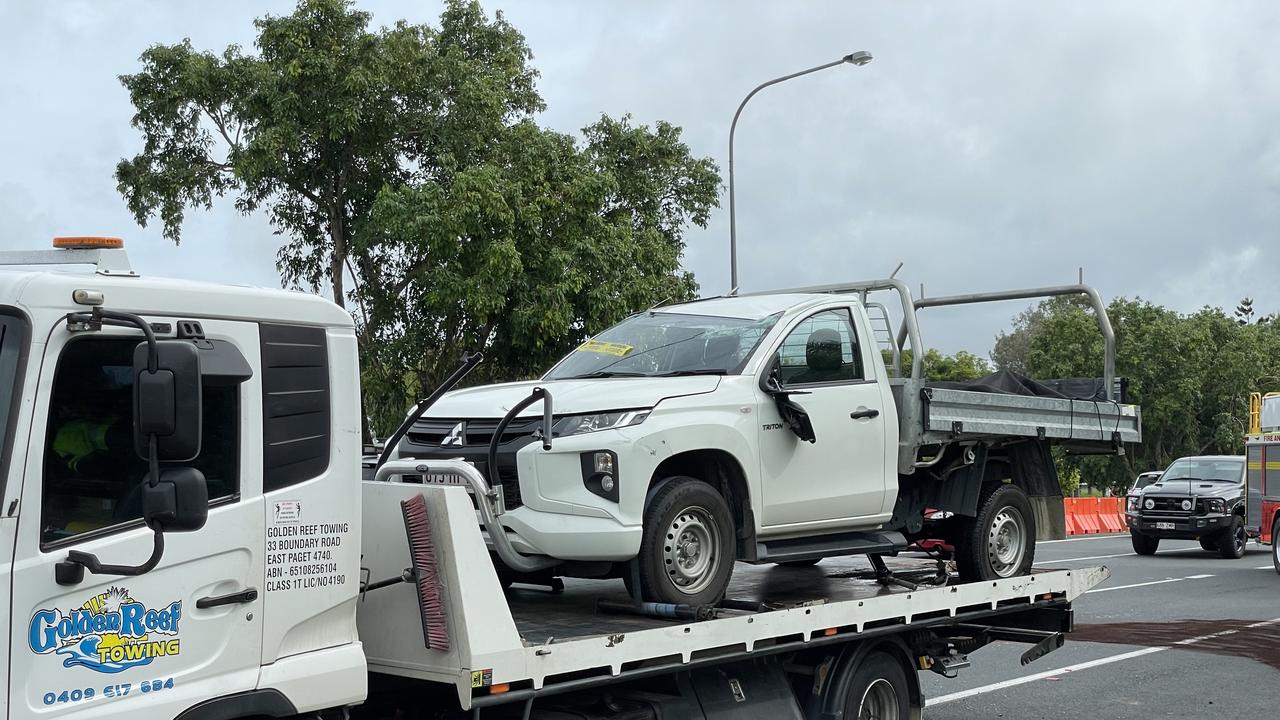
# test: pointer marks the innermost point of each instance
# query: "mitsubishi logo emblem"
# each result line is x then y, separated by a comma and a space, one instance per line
454, 437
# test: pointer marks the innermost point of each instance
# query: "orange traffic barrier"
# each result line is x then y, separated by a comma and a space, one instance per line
1092, 515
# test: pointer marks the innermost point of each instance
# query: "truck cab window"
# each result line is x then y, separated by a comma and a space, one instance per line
12, 345
92, 476
823, 348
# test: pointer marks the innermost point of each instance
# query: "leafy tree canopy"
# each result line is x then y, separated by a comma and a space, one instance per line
1190, 373
408, 161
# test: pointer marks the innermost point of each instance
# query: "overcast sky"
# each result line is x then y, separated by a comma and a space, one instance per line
988, 146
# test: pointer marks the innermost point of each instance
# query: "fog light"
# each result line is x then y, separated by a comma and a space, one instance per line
604, 464
606, 483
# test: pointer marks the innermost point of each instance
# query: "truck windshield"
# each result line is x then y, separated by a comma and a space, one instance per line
1211, 469
666, 344
12, 341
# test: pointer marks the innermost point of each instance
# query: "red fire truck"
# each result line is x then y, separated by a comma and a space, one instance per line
1262, 478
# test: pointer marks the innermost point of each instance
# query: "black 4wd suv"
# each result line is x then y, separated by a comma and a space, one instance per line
1196, 498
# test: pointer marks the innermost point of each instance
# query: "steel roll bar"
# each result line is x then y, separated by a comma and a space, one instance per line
1095, 301
486, 499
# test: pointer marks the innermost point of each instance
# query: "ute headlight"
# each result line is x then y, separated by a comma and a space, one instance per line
579, 424
1215, 505
1132, 503
1149, 504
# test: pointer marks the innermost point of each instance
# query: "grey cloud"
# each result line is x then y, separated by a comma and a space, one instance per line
989, 145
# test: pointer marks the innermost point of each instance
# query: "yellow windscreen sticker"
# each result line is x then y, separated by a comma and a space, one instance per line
606, 348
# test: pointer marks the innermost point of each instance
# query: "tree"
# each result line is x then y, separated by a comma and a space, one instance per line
1190, 374
1244, 311
407, 160
945, 368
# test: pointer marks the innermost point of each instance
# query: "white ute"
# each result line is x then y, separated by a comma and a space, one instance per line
184, 532
766, 429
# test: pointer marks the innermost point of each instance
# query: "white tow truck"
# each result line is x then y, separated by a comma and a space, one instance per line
184, 534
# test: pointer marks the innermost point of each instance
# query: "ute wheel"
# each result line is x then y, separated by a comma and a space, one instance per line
1275, 544
1232, 541
1001, 541
1209, 543
687, 548
1143, 544
800, 563
879, 689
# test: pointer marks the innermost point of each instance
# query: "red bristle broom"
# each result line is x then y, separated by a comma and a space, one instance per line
426, 577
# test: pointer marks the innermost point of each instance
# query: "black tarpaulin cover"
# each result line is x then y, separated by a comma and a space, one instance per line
1006, 382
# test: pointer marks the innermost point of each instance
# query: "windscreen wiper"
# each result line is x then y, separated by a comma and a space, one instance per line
702, 371
606, 374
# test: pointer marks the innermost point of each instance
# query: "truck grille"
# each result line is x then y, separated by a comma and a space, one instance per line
469, 433
1166, 507
469, 439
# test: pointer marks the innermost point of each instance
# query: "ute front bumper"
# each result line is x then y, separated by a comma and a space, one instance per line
1177, 528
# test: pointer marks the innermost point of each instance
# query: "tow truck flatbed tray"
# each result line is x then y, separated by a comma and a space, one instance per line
542, 614
532, 641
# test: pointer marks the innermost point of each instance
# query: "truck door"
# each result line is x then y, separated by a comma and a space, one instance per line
841, 474
155, 644
1253, 487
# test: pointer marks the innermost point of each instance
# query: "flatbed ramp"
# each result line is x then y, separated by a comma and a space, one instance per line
528, 641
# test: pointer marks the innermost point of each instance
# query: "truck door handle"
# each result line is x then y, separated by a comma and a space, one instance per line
864, 413
247, 595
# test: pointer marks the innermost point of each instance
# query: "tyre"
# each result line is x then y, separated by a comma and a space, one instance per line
1232, 541
879, 689
1144, 544
1001, 541
1275, 545
800, 563
687, 548
1209, 542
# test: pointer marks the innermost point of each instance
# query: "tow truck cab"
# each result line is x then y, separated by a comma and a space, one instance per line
254, 611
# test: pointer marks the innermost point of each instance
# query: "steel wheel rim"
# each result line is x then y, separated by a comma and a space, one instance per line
879, 702
692, 550
1006, 545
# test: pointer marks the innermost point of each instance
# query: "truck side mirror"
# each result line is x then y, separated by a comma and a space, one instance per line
167, 401
178, 502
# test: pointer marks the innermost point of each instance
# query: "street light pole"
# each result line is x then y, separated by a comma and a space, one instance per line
858, 58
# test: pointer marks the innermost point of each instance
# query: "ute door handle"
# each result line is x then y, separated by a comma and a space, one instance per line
864, 413
247, 595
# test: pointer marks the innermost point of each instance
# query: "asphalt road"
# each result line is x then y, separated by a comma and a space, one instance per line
1182, 634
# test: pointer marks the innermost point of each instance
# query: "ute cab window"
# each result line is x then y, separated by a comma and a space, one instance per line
822, 349
92, 476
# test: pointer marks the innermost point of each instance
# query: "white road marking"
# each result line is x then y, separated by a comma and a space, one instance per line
1086, 665
1265, 567
1040, 676
1108, 536
1144, 584
1091, 557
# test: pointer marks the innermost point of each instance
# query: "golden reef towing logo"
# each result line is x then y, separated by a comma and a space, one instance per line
110, 633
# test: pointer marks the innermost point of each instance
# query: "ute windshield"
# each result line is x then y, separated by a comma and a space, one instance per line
1211, 469
658, 344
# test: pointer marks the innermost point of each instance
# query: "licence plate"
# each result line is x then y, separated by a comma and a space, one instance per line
1164, 526
443, 478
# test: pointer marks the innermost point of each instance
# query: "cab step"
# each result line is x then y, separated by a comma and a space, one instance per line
885, 542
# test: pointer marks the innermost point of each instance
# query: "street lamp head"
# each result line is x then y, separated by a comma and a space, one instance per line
862, 57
